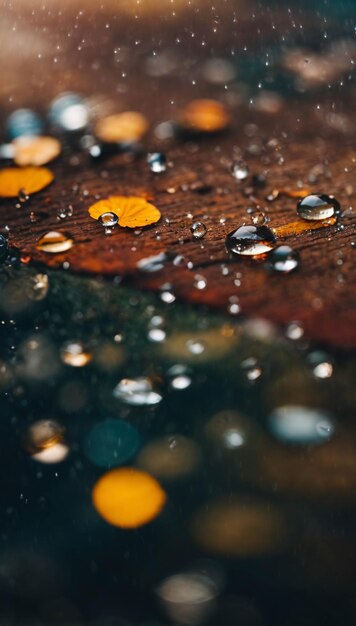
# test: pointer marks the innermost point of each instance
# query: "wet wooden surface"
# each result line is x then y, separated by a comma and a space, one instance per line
198, 186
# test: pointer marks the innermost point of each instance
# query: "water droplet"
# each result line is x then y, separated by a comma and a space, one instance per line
259, 218
301, 425
167, 296
250, 240
200, 282
199, 230
294, 331
181, 378
23, 196
321, 364
136, 392
318, 207
157, 335
157, 162
73, 353
23, 122
54, 242
251, 368
195, 347
283, 259
108, 219
69, 112
240, 171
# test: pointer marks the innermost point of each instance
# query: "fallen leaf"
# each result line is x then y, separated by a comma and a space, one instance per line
122, 127
204, 116
132, 211
35, 150
28, 180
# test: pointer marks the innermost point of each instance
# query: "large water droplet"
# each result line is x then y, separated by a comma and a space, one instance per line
250, 240
283, 259
54, 242
199, 230
318, 207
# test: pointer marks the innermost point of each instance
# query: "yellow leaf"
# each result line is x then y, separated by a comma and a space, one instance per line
204, 116
35, 150
29, 180
128, 126
132, 211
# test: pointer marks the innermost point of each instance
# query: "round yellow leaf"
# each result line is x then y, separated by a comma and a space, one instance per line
28, 180
132, 211
35, 150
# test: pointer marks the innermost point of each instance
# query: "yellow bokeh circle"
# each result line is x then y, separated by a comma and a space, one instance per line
128, 498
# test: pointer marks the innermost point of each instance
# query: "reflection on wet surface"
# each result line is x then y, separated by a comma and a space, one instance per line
238, 440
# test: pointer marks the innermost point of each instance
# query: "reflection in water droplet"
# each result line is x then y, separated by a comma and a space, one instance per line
136, 392
170, 457
73, 353
108, 219
283, 259
157, 162
38, 287
199, 230
54, 242
111, 442
318, 207
259, 218
187, 598
250, 240
152, 263
301, 425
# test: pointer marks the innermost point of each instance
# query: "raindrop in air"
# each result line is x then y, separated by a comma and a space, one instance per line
318, 207
250, 240
283, 259
157, 162
54, 242
199, 230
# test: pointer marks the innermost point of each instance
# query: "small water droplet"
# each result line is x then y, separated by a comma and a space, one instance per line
157, 162
199, 230
157, 335
318, 207
152, 263
108, 219
321, 364
200, 282
250, 240
251, 369
23, 196
240, 170
195, 347
54, 242
283, 259
295, 331
259, 218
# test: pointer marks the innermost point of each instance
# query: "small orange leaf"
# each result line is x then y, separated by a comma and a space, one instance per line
204, 116
29, 180
132, 211
128, 126
35, 150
